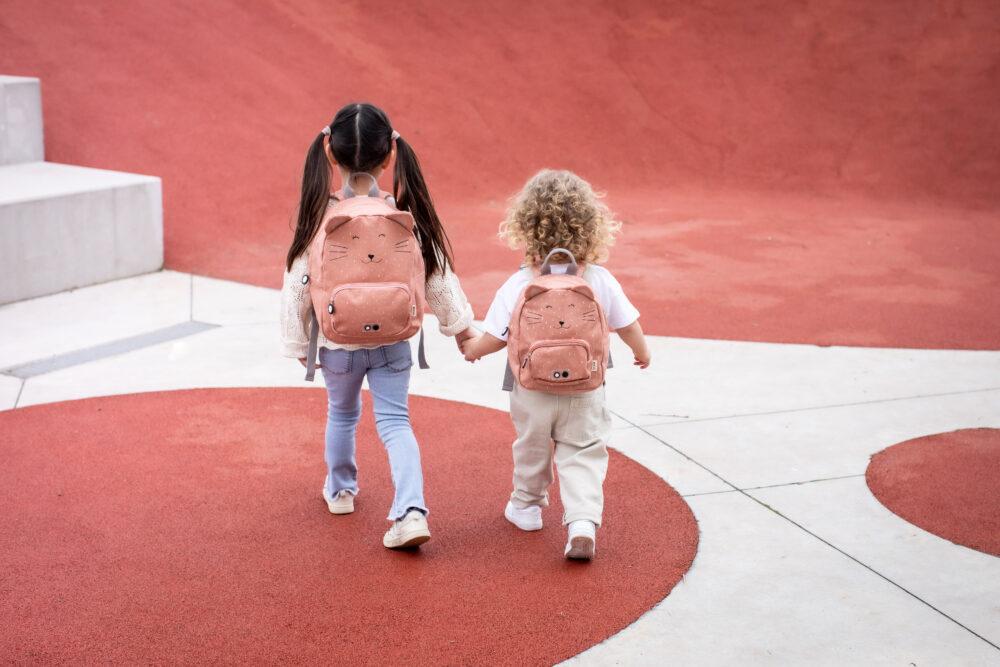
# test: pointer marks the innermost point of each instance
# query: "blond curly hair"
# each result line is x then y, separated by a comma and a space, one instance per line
558, 209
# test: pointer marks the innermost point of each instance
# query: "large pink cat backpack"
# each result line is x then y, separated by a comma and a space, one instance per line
557, 341
366, 275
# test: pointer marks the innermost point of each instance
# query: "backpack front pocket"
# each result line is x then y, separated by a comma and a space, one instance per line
376, 310
559, 362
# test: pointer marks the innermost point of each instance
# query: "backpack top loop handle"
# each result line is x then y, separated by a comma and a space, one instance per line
349, 191
571, 269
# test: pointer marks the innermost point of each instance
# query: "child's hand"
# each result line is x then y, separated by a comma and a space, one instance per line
470, 348
463, 336
633, 337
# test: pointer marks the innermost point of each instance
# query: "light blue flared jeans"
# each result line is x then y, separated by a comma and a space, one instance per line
388, 372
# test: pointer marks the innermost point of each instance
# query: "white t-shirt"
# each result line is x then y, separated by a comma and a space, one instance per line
617, 308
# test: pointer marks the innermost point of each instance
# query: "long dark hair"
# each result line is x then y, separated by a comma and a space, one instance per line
360, 140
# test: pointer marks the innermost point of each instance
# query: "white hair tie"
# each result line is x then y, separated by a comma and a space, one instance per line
395, 135
325, 130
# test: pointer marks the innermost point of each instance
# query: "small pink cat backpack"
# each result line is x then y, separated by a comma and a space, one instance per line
366, 275
558, 337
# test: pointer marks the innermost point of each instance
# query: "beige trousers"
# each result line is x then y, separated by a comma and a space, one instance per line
571, 431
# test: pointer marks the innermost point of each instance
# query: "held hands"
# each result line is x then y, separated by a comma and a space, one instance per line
470, 349
466, 342
642, 358
481, 345
463, 336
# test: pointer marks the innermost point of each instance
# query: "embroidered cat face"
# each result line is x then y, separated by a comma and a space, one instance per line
559, 312
368, 239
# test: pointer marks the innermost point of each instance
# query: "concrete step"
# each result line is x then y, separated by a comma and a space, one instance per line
21, 137
63, 227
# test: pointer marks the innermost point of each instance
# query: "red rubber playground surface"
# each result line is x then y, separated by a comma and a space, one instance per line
822, 173
948, 484
188, 527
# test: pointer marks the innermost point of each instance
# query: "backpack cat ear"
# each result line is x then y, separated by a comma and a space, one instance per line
532, 291
402, 217
585, 290
336, 221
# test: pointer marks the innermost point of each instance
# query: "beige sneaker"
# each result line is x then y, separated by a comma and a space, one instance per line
410, 531
581, 540
343, 503
529, 518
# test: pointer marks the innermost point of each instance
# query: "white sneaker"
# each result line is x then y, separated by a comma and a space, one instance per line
581, 540
410, 531
343, 503
529, 518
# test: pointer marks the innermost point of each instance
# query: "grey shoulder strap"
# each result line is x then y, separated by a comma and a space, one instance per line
421, 357
508, 378
313, 344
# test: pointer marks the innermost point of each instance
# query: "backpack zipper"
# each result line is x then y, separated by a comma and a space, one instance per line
575, 342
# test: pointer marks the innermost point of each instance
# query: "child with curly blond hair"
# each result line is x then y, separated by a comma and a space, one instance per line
558, 209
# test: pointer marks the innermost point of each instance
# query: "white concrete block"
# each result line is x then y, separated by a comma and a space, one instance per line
21, 138
63, 227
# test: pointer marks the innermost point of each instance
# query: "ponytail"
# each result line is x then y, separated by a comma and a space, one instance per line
360, 139
313, 201
411, 195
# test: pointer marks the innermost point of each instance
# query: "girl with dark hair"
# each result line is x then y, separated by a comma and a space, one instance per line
360, 144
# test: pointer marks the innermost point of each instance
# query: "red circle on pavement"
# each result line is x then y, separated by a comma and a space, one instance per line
948, 484
188, 527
